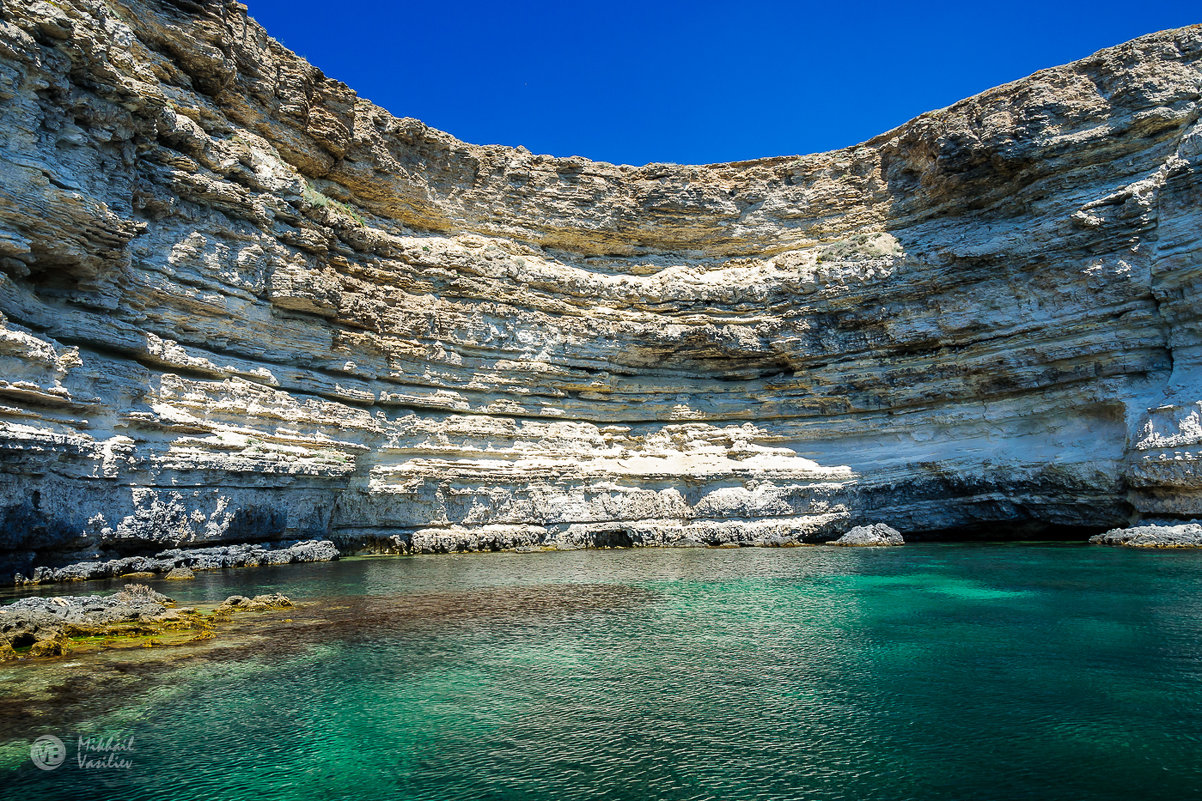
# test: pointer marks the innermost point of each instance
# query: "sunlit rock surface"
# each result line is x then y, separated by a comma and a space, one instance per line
1183, 535
873, 536
239, 303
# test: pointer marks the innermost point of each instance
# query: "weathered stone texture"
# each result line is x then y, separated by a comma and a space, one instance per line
240, 304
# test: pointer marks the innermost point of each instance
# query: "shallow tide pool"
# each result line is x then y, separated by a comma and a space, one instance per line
977, 671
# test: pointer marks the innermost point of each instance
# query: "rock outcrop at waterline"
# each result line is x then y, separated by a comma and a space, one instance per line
241, 304
177, 563
873, 536
1182, 535
136, 615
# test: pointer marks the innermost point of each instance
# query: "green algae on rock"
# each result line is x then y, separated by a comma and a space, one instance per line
137, 615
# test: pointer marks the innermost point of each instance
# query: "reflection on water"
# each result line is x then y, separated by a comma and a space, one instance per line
930, 671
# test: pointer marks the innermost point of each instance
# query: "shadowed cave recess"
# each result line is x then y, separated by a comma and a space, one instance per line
239, 303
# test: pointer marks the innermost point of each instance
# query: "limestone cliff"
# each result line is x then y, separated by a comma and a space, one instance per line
239, 303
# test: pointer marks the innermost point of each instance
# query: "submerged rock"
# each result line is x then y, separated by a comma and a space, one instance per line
1181, 535
877, 534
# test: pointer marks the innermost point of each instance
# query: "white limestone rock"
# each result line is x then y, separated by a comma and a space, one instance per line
1184, 535
871, 536
240, 304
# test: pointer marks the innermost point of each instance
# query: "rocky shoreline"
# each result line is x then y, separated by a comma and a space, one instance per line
136, 615
1180, 535
178, 563
57, 625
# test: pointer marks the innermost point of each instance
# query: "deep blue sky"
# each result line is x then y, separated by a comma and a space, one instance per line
691, 82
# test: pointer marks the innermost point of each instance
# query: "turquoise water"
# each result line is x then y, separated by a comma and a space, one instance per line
925, 672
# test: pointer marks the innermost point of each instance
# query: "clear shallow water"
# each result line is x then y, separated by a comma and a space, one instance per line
930, 671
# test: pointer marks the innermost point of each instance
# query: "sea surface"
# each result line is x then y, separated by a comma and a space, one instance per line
932, 671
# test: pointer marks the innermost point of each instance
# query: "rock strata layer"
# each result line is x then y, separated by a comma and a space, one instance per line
239, 303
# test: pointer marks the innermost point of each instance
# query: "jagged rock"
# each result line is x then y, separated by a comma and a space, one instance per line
1184, 535
138, 594
179, 574
46, 625
877, 534
272, 601
56, 644
251, 555
176, 559
239, 303
42, 622
259, 603
233, 602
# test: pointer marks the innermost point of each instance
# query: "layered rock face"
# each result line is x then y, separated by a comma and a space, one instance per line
239, 303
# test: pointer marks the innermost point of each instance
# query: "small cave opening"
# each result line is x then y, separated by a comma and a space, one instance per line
1008, 531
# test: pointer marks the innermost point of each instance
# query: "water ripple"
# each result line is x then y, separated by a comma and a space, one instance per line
927, 672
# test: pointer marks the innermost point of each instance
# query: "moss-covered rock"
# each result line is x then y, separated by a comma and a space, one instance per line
136, 615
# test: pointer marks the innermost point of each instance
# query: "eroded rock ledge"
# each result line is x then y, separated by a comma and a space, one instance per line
179, 563
1182, 535
239, 303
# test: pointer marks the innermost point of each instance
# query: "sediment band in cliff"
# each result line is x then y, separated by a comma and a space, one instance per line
239, 303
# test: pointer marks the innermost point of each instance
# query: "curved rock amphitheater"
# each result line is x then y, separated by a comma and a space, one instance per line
239, 303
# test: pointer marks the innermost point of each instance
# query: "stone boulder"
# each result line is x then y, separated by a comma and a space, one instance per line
875, 535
